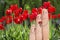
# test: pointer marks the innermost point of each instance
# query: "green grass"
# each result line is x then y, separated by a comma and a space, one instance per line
20, 32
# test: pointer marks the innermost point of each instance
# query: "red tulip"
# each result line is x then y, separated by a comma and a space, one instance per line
1, 27
16, 13
58, 15
9, 19
46, 4
34, 10
8, 12
54, 16
25, 11
49, 16
40, 10
25, 14
14, 7
51, 9
1, 20
4, 17
18, 20
20, 10
33, 16
21, 18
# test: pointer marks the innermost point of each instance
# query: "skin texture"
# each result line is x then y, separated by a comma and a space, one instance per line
40, 31
38, 28
45, 25
32, 32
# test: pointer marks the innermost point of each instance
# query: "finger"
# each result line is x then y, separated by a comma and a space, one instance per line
45, 24
38, 28
32, 32
38, 20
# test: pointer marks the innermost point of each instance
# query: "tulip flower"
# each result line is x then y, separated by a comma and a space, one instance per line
8, 19
51, 9
1, 20
58, 15
18, 20
14, 7
16, 13
20, 10
54, 16
1, 27
33, 16
46, 4
25, 14
34, 10
8, 12
49, 15
4, 18
40, 10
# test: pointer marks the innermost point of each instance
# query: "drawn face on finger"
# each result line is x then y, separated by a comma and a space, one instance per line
38, 19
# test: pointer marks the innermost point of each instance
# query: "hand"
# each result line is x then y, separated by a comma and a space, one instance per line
40, 30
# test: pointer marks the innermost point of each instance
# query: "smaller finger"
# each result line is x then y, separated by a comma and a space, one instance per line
38, 20
38, 28
32, 32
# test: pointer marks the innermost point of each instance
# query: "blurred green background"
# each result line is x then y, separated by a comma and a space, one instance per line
26, 4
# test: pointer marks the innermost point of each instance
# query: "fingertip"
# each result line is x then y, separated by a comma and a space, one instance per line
38, 19
44, 9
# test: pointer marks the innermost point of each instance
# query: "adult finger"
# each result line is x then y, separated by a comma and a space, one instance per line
45, 24
38, 27
32, 32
